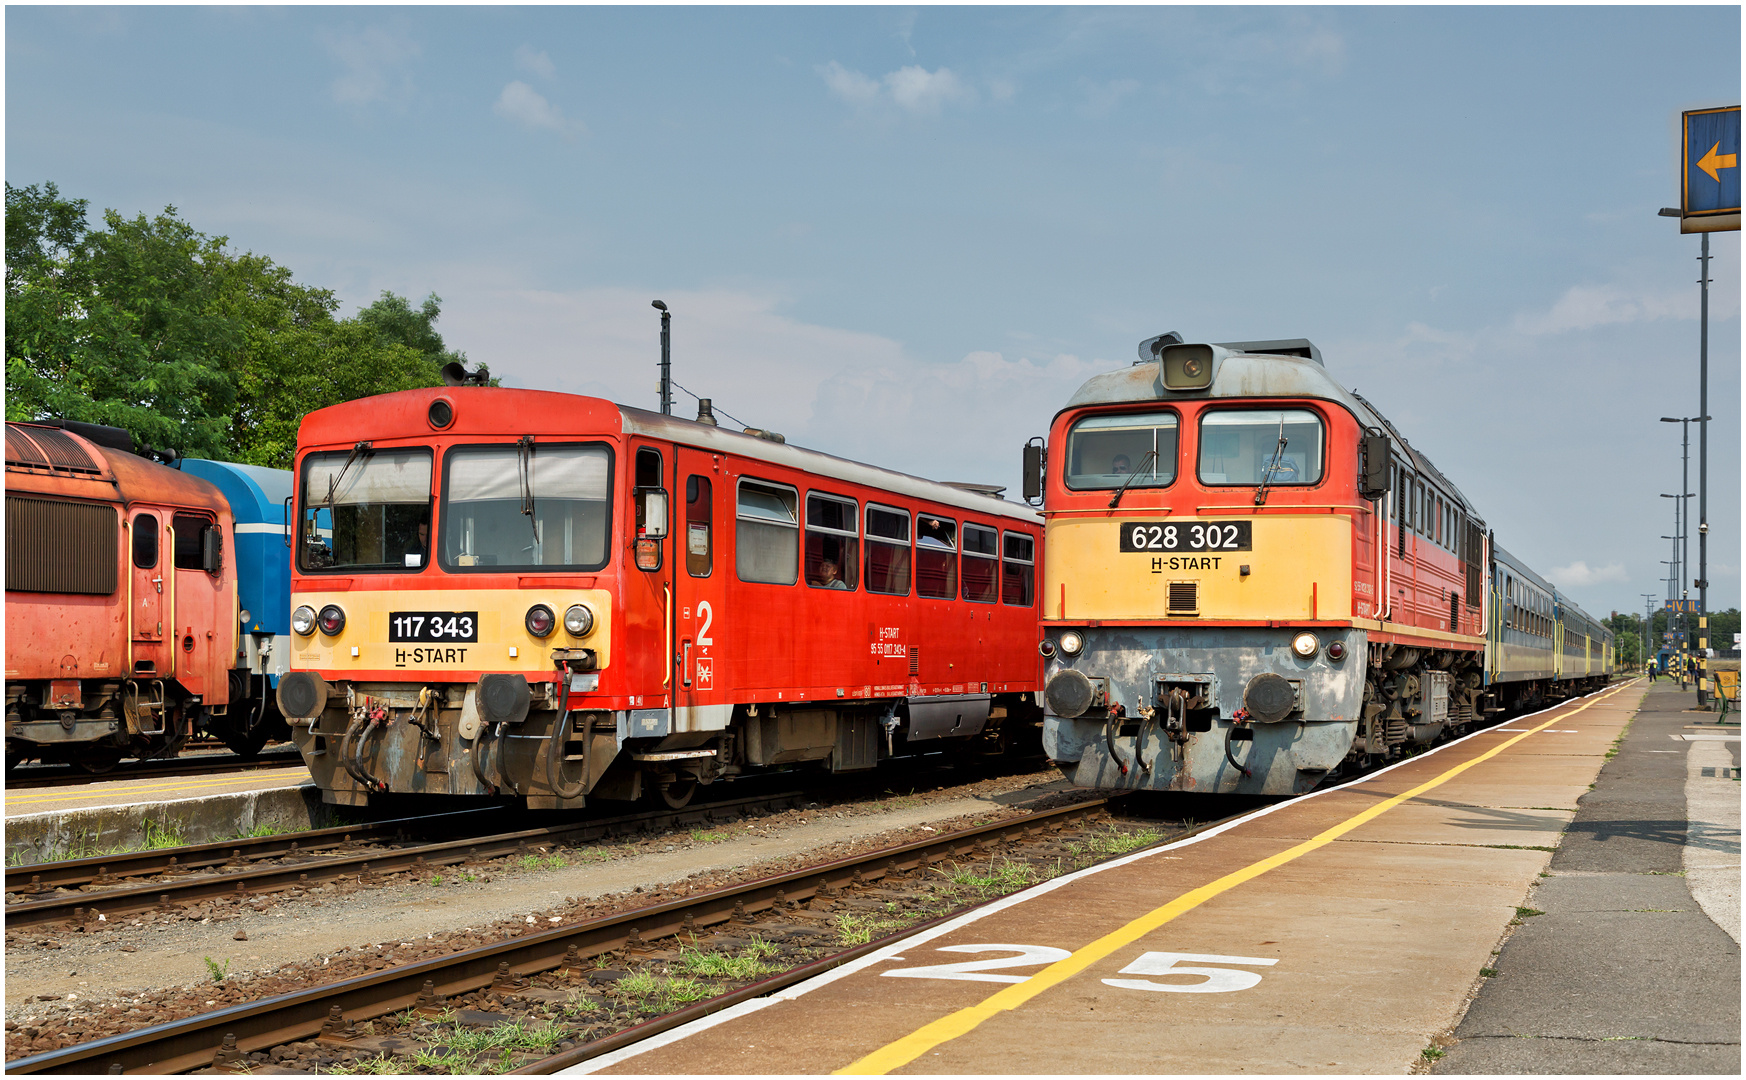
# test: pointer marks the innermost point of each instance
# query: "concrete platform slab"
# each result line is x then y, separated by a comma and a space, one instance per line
1334, 933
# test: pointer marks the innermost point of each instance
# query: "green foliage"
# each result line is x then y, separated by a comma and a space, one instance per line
150, 325
215, 969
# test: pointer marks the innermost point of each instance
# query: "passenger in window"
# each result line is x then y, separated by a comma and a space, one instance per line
830, 575
1120, 464
418, 549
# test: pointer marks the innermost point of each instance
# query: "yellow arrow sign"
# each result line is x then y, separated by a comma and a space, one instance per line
1712, 162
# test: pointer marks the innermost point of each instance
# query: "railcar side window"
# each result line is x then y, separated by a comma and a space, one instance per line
980, 566
519, 506
1018, 582
366, 509
699, 526
832, 542
145, 541
767, 533
936, 557
1107, 451
887, 550
1244, 447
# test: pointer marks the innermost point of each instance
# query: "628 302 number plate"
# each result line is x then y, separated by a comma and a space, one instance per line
1185, 536
433, 626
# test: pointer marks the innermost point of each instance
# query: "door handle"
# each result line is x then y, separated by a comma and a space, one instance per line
685, 663
159, 582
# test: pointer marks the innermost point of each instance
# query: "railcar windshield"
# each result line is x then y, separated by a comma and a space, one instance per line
1108, 451
1245, 447
526, 506
365, 510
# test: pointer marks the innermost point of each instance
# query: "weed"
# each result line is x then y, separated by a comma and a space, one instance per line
158, 836
758, 947
542, 862
1488, 973
714, 965
663, 995
708, 837
259, 831
1431, 1053
436, 879
468, 875
214, 969
859, 929
1114, 840
1528, 912
998, 881
579, 1003
380, 1065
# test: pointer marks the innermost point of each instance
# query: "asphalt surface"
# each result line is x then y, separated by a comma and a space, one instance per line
1624, 971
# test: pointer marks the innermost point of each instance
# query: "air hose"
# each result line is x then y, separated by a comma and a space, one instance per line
477, 753
1228, 757
555, 748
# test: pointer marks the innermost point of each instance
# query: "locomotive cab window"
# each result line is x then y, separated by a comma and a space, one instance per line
1252, 446
198, 542
832, 542
365, 509
1136, 449
936, 557
979, 569
887, 551
767, 534
1018, 581
518, 506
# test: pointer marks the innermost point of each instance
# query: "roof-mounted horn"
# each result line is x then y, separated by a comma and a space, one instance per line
1183, 367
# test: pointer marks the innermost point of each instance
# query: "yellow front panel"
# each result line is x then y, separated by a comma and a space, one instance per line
1291, 553
501, 631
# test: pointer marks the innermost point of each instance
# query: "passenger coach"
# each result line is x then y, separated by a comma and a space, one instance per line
536, 594
1252, 581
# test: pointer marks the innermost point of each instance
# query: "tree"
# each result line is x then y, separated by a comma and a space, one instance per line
1628, 647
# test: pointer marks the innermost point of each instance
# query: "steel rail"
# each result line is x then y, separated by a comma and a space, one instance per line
43, 776
256, 880
193, 1042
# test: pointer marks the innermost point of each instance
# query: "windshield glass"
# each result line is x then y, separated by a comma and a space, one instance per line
1107, 451
1244, 448
514, 507
365, 510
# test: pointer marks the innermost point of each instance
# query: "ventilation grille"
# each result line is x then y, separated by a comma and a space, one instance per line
1184, 598
915, 659
58, 547
46, 448
1455, 612
1403, 539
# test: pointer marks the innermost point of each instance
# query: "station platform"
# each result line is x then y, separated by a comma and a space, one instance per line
110, 815
1342, 932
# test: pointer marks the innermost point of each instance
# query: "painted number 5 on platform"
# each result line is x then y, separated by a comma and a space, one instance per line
1215, 980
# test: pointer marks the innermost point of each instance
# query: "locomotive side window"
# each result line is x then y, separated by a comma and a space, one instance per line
936, 557
833, 546
699, 526
887, 550
767, 537
519, 506
980, 566
1107, 451
190, 532
1245, 447
379, 501
1018, 582
145, 541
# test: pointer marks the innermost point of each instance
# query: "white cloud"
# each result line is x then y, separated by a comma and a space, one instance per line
526, 106
1584, 307
1578, 574
534, 63
375, 66
913, 88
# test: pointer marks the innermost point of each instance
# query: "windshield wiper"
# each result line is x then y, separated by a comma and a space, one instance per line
334, 480
524, 469
1117, 497
1273, 466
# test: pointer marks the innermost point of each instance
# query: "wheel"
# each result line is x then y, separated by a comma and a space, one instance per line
247, 745
99, 761
677, 793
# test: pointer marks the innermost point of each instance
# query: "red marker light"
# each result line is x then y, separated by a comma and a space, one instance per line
540, 620
1336, 650
331, 620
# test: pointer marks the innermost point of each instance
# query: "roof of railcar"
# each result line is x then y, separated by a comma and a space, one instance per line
504, 411
1256, 375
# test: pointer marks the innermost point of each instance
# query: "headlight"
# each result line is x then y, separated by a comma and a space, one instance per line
303, 620
331, 620
540, 620
578, 620
1072, 642
1305, 645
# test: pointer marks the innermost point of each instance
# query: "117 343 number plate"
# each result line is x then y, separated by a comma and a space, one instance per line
1186, 536
433, 626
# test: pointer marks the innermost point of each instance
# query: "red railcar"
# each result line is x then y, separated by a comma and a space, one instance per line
521, 592
121, 607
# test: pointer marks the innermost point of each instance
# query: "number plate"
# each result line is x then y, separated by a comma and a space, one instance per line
1185, 536
433, 626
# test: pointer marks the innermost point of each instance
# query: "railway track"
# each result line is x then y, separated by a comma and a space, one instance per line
42, 776
558, 967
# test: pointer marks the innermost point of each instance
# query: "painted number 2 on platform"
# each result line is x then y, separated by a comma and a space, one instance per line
1213, 980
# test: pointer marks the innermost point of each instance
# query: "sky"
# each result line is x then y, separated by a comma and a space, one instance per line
907, 235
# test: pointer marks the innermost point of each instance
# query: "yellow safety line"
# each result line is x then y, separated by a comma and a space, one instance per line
50, 795
912, 1046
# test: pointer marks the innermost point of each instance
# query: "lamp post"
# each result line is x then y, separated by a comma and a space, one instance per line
1648, 622
1684, 530
666, 357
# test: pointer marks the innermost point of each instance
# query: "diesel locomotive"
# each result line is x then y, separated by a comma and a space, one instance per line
555, 598
136, 615
1253, 582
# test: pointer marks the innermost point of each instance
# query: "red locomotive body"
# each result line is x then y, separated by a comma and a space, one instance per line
121, 609
556, 597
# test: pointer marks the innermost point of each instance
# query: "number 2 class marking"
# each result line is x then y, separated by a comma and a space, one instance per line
1213, 980
707, 614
